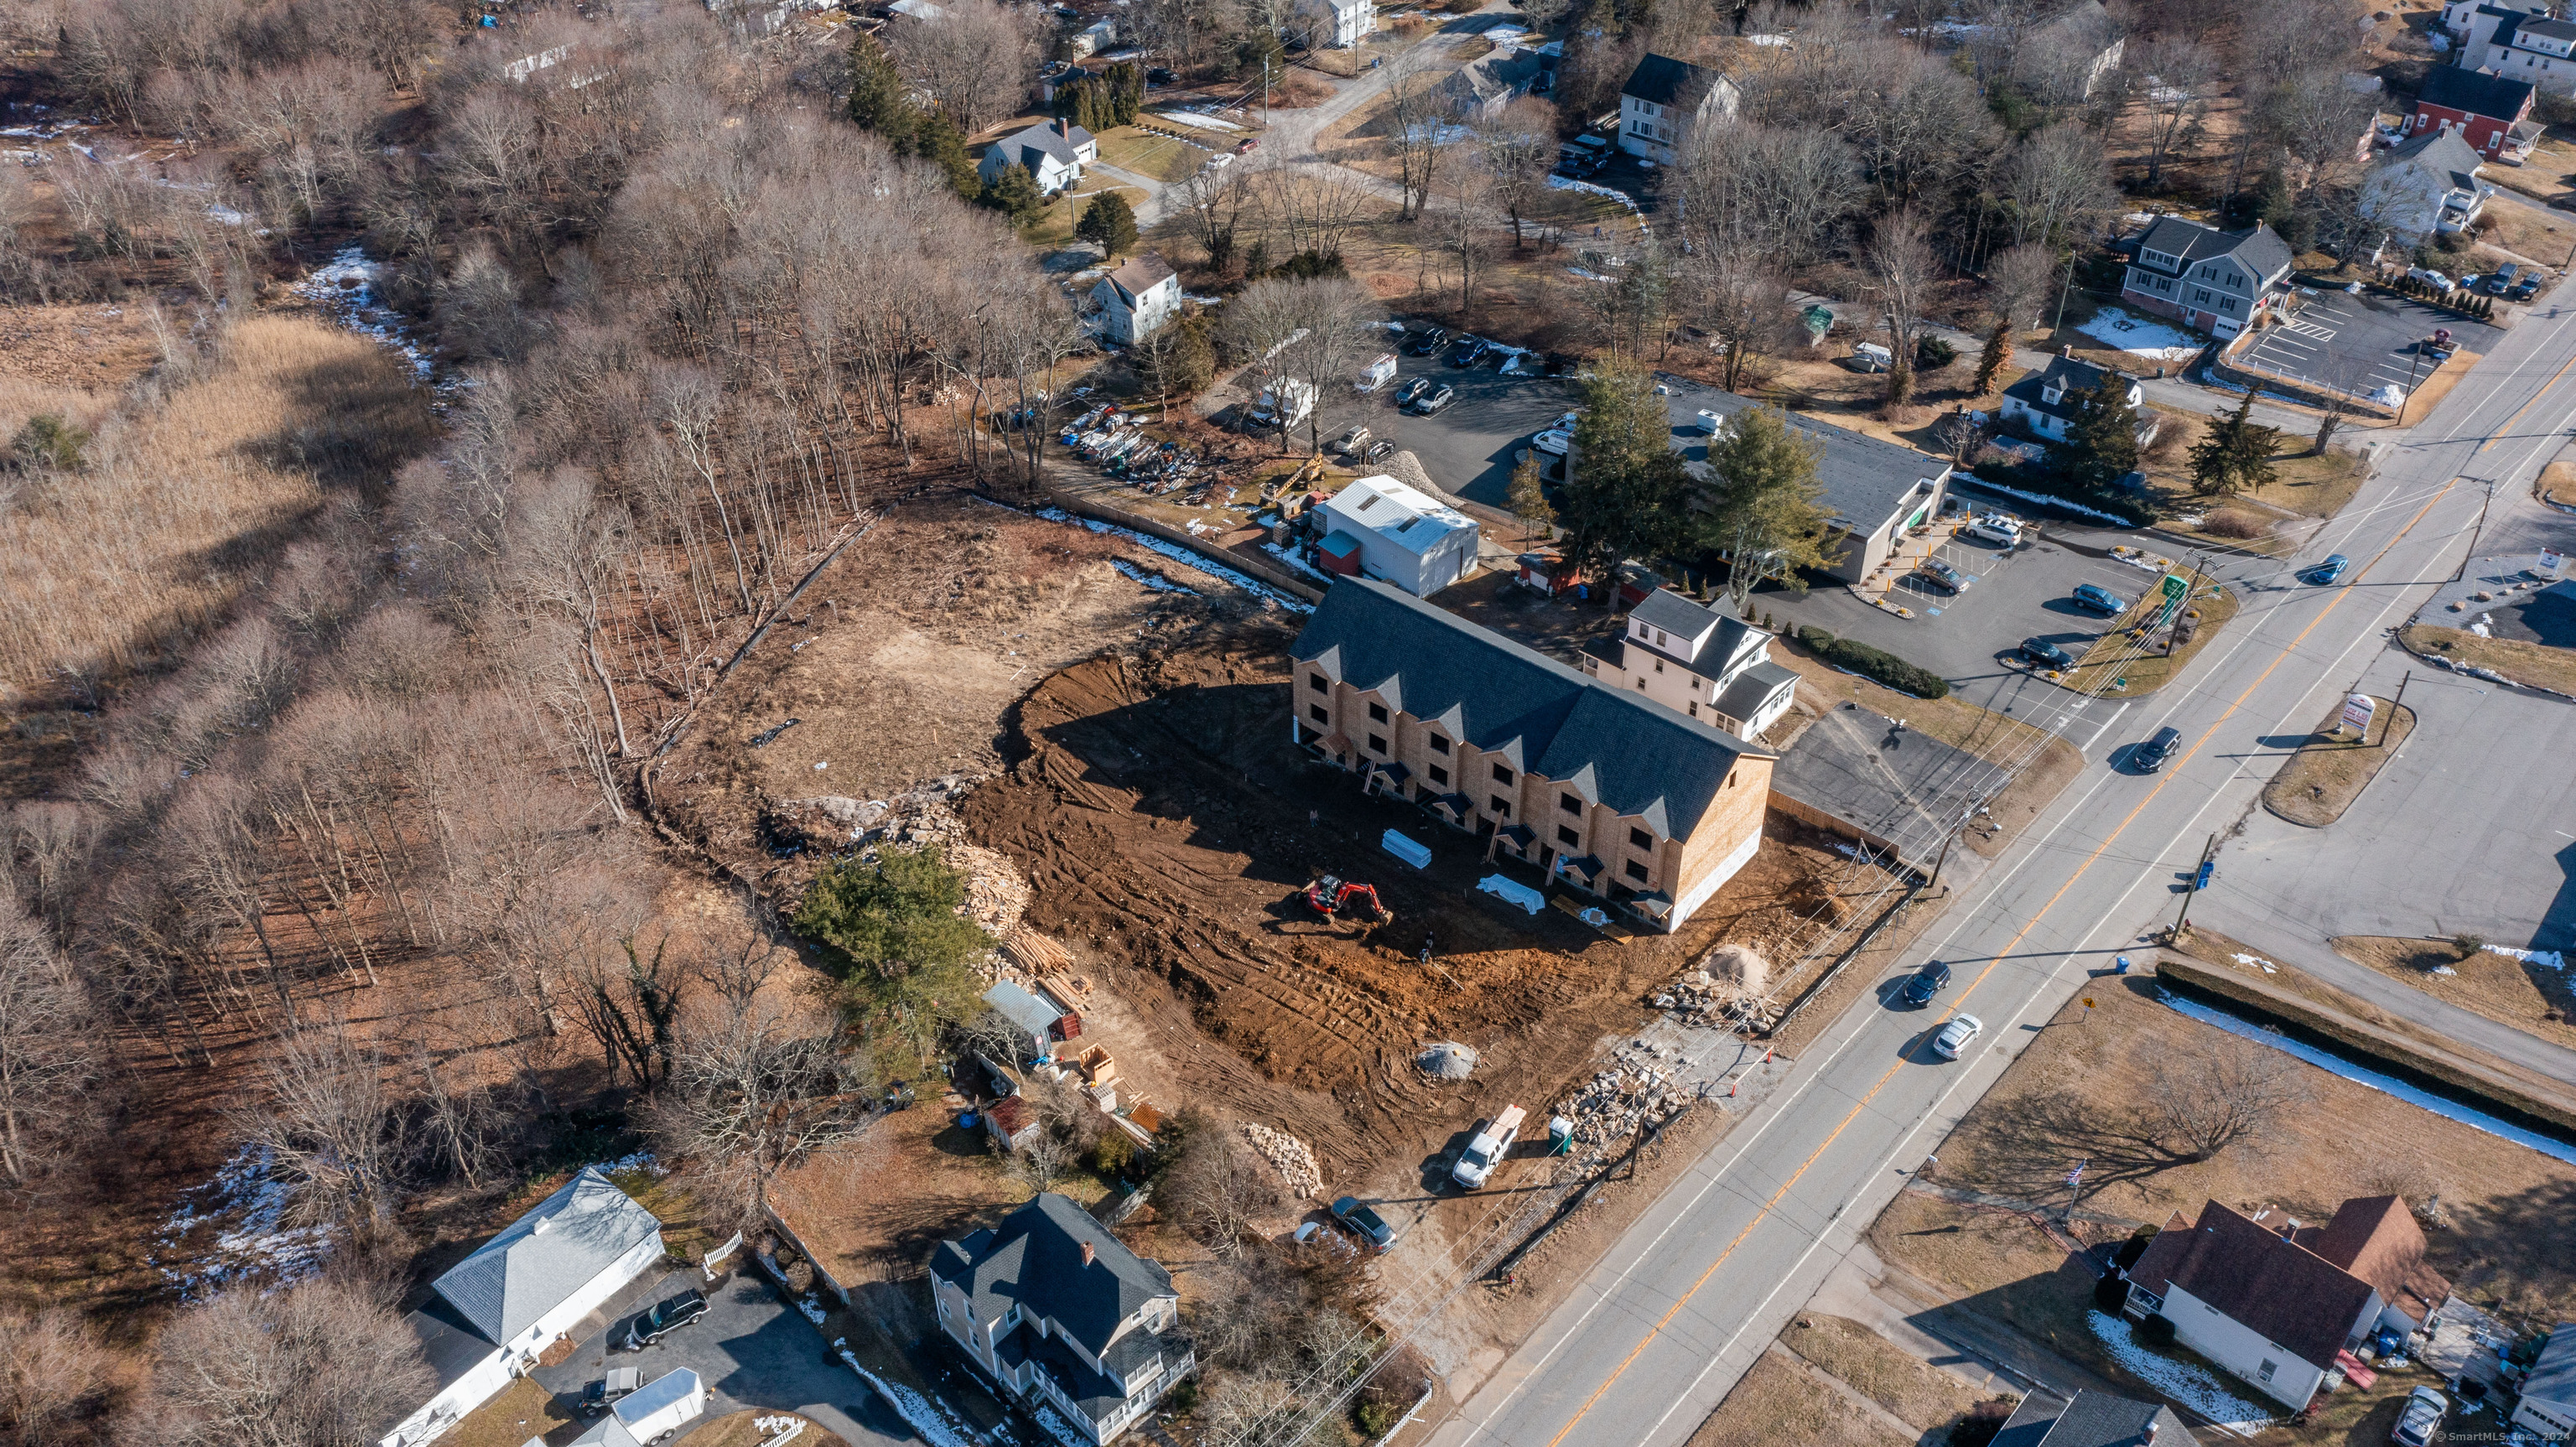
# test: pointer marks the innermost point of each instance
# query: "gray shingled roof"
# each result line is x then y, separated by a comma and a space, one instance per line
545, 1256
1754, 687
2075, 375
1541, 716
2260, 250
2444, 159
1034, 1260
1042, 138
1865, 480
1679, 616
1664, 81
2092, 1419
2553, 1377
2554, 29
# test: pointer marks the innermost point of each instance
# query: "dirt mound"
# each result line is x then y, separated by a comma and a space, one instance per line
1162, 817
1448, 1060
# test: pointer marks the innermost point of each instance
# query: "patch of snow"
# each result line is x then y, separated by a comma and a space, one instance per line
1058, 1428
346, 287
1155, 581
2268, 396
246, 1208
1595, 188
1981, 485
1184, 118
2138, 336
813, 1309
1270, 597
2256, 961
938, 1424
1586, 275
2385, 1084
2190, 1385
2546, 959
2444, 970
634, 1161
1300, 564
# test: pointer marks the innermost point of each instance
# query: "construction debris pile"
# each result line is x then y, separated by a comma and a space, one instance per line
996, 893
1289, 1157
1727, 986
1447, 1060
1634, 1091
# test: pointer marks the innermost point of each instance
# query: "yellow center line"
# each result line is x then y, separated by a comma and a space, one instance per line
2000, 955
2501, 432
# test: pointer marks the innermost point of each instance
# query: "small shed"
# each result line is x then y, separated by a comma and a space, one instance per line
1548, 572
1339, 554
1039, 1018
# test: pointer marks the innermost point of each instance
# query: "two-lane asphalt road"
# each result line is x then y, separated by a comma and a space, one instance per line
1676, 1312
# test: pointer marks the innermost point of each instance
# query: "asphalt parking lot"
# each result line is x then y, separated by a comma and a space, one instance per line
2362, 342
752, 1349
1469, 447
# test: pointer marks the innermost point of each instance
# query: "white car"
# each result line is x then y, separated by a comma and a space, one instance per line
1993, 528
2430, 277
1956, 1035
1553, 442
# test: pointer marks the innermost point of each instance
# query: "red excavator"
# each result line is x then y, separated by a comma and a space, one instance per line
1330, 897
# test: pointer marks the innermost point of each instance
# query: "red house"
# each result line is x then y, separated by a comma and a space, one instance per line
2483, 108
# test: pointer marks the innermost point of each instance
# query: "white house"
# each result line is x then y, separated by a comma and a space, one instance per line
1332, 24
494, 1312
1098, 36
2427, 187
1056, 1310
1663, 100
1054, 151
1136, 299
1696, 661
2049, 401
2279, 1304
2548, 1407
2461, 17
1404, 536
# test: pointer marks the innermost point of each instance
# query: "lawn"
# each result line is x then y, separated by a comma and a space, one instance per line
521, 1411
2529, 664
1162, 158
2557, 484
1777, 1402
2530, 235
1924, 1396
2331, 769
1054, 226
2113, 666
2499, 987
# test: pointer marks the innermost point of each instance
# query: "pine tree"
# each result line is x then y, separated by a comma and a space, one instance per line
1991, 361
940, 142
2235, 454
1014, 193
1765, 509
878, 98
2102, 439
1109, 223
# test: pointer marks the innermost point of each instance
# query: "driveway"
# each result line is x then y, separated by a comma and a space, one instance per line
753, 1350
2362, 342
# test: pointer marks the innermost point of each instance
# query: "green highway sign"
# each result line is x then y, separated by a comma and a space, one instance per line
2175, 585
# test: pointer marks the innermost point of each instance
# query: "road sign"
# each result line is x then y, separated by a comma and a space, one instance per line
2201, 880
2357, 709
2088, 1002
2175, 585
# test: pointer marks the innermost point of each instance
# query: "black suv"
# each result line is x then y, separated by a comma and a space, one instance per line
1925, 984
2152, 754
1428, 342
665, 1318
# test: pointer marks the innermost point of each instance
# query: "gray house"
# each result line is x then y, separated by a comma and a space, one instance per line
1055, 153
2210, 280
1063, 1316
1664, 100
1479, 90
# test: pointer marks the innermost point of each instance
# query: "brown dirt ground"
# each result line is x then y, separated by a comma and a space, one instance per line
2532, 664
1776, 1403
740, 1429
1923, 1395
2510, 1242
2320, 781
1160, 815
2502, 988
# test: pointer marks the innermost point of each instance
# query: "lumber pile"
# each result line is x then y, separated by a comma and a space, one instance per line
1034, 952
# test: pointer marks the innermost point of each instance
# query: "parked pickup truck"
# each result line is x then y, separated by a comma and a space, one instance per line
1487, 1149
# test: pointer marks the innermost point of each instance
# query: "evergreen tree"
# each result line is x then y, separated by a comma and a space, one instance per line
1014, 193
1628, 489
939, 141
1998, 353
1109, 223
2236, 454
2102, 439
1126, 87
879, 100
1765, 512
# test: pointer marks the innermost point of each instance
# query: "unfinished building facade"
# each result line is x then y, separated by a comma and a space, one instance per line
1604, 791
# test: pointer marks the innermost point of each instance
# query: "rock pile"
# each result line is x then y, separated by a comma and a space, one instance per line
1447, 1060
1289, 1157
1634, 1091
996, 895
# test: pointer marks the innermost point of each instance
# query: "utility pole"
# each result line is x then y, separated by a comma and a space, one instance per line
2198, 873
2393, 705
1265, 100
2409, 399
1966, 814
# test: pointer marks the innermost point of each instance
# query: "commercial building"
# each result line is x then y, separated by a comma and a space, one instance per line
1380, 528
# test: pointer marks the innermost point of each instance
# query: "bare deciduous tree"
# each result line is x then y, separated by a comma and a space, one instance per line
2228, 1091
974, 57
49, 1365
323, 1363
1218, 1187
337, 1134
1312, 331
2059, 184
47, 1056
2019, 281
2176, 78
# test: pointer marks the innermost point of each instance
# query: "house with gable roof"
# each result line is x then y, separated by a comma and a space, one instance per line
2210, 280
491, 1315
1705, 662
1664, 100
1137, 298
2049, 401
2278, 1303
2427, 186
2484, 109
1625, 799
1054, 151
1061, 1314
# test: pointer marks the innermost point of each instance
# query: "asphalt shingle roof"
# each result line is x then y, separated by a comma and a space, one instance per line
1866, 481
1034, 1260
1641, 759
2091, 1419
2444, 159
545, 1256
2075, 375
2269, 1285
2260, 250
2553, 1377
1043, 139
2474, 92
1662, 80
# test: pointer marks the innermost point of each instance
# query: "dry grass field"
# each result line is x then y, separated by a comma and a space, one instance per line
2528, 997
2531, 664
184, 499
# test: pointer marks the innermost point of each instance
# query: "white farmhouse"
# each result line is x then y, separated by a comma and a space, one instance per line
494, 1312
1397, 534
1055, 153
2048, 402
1337, 24
1060, 1314
1664, 100
1137, 299
1698, 662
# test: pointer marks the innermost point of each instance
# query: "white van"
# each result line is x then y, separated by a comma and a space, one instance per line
1492, 1143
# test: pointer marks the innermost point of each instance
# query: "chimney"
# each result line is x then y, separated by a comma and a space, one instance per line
1088, 1253
2066, 350
2151, 1434
1061, 130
